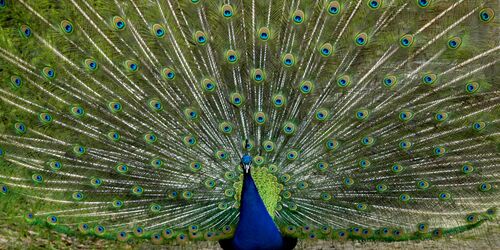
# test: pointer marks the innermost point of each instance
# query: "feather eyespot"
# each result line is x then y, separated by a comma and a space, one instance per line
260, 117
348, 181
189, 140
52, 219
325, 196
406, 41
25, 31
200, 38
441, 116
131, 65
405, 115
374, 4
322, 166
439, 151
361, 206
478, 126
344, 81
381, 188
191, 114
389, 81
279, 100
115, 106
137, 190
333, 8
429, 78
79, 150
16, 82
306, 87
96, 182
467, 168
405, 145
45, 118
486, 15
168, 73
55, 165
288, 60
122, 168
367, 141
236, 99
66, 26
90, 64
77, 111
226, 127
227, 10
444, 196
231, 56
322, 114
331, 144
423, 3
289, 128
156, 163
264, 34
292, 155
364, 163
472, 218
454, 42
195, 166
37, 178
158, 30
122, 236
258, 75
484, 187
187, 195
423, 227
268, 146
361, 39
84, 228
472, 87
362, 114
117, 203
326, 49
20, 128
150, 137
99, 230
396, 168
78, 196
221, 155
155, 104
210, 183
114, 136
168, 233
49, 73
118, 23
404, 197
208, 85
423, 184
298, 17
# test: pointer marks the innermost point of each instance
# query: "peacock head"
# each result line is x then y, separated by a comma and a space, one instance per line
246, 161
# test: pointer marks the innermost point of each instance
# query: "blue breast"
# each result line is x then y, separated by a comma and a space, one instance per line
256, 228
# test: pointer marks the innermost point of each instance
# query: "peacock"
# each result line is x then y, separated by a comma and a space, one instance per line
249, 122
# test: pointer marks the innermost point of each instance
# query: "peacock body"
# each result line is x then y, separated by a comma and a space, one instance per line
373, 120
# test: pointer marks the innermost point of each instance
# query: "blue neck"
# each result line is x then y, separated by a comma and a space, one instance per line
256, 228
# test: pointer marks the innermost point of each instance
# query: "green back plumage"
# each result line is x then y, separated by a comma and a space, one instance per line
366, 119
